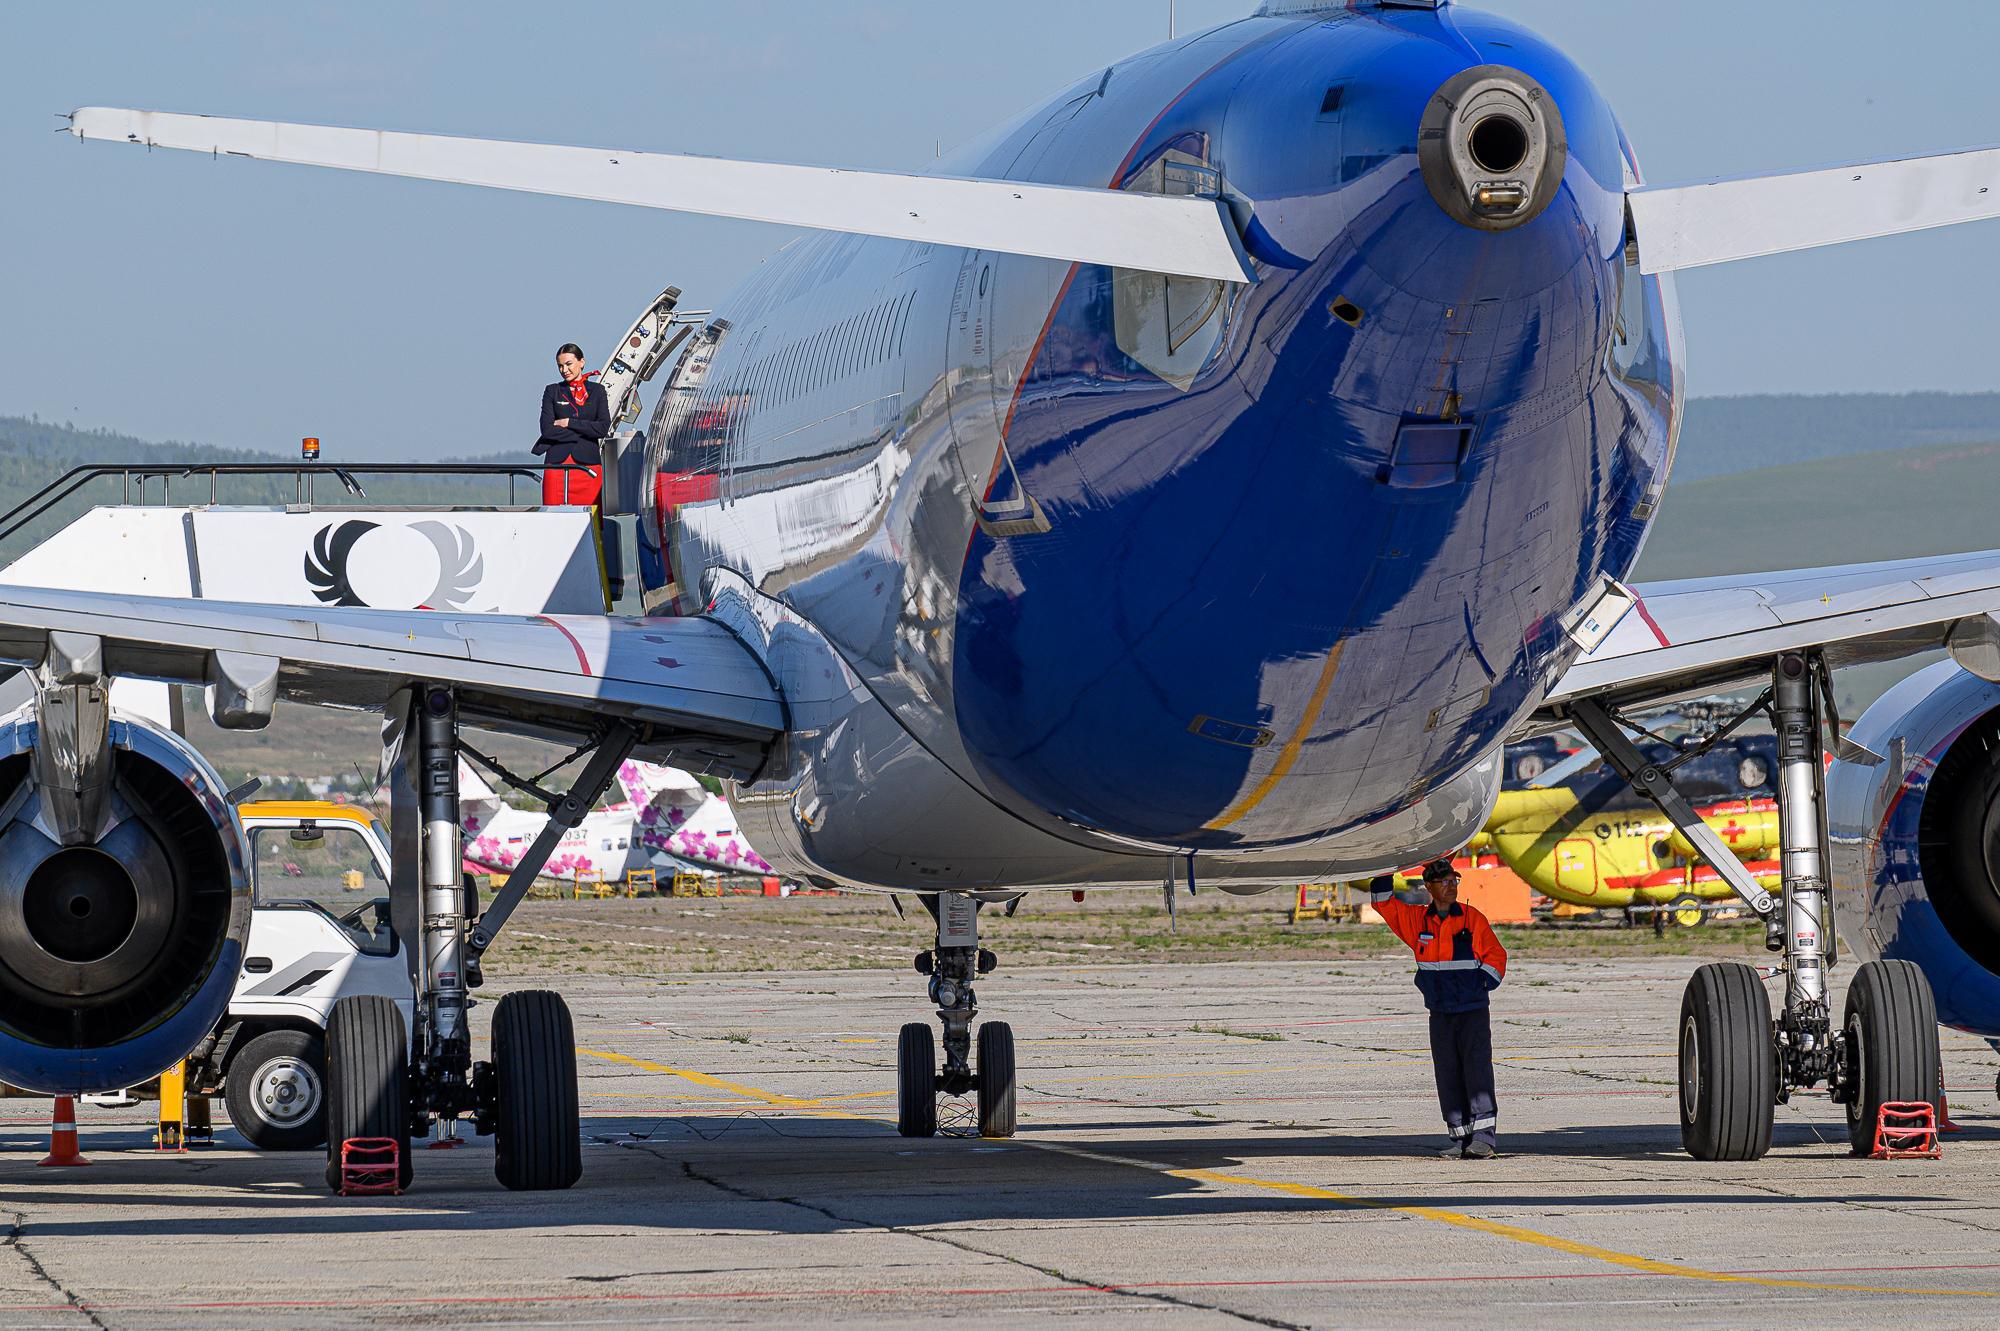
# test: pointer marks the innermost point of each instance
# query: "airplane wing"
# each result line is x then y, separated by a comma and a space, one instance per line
1182, 236
1745, 217
1709, 635
698, 696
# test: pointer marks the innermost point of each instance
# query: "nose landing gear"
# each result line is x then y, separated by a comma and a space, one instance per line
952, 965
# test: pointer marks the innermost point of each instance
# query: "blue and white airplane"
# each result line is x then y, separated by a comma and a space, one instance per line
1200, 478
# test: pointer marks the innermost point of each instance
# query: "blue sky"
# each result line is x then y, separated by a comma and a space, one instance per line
245, 304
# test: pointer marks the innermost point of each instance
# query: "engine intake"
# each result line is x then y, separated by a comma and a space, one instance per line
119, 945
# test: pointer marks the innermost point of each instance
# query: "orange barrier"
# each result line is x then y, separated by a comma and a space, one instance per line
1499, 892
62, 1135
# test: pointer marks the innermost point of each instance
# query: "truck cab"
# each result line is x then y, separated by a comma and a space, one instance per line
320, 930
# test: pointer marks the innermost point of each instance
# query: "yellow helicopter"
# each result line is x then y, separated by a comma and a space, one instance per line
1588, 840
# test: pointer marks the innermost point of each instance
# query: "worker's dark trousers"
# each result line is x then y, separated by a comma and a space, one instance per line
1462, 1055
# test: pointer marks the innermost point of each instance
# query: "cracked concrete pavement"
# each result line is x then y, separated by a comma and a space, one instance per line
1229, 1144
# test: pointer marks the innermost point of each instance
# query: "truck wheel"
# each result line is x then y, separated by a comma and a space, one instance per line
275, 1088
367, 1067
536, 1146
1892, 1044
1728, 1068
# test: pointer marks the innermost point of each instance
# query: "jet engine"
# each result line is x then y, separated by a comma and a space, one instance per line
1915, 825
124, 896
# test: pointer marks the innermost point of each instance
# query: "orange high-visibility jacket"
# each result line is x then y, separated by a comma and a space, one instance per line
1459, 961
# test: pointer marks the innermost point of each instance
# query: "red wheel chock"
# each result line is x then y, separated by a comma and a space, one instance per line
1906, 1130
370, 1166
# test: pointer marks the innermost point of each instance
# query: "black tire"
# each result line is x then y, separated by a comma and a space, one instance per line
916, 1081
537, 1143
996, 1079
275, 1089
1892, 1044
367, 1067
1685, 910
1728, 1067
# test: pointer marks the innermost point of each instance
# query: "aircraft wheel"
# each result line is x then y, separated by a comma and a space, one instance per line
1892, 1044
367, 1064
275, 1089
1686, 911
996, 1079
536, 1145
916, 1081
1728, 1068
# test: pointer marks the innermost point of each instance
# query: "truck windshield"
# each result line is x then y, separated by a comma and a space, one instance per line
330, 863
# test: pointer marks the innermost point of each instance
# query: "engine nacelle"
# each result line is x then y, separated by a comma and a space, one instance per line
1916, 839
117, 954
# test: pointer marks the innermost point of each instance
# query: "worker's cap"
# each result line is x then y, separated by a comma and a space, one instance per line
1438, 871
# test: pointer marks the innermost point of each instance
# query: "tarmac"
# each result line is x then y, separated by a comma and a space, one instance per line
1200, 1146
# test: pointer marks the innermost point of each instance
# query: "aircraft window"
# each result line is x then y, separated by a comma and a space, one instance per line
1752, 771
1330, 104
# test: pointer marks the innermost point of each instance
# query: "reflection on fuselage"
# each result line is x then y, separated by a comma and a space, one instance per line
1075, 565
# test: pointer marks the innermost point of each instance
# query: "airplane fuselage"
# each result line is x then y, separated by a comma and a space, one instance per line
1066, 568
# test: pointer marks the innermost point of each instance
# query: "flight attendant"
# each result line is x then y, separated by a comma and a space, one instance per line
1459, 962
576, 414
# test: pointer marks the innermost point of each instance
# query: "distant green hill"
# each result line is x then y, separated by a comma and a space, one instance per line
1899, 504
35, 452
1888, 505
1723, 435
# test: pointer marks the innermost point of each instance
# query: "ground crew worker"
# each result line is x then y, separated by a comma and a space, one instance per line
1459, 962
575, 415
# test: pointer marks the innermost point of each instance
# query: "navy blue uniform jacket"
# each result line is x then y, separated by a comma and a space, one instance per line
576, 443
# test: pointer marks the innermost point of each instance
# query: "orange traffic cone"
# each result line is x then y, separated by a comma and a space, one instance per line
62, 1135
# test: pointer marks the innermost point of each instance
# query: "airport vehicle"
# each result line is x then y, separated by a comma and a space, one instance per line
1202, 476
666, 822
319, 931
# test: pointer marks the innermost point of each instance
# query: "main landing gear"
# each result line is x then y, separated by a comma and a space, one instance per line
386, 1083
1736, 1061
952, 964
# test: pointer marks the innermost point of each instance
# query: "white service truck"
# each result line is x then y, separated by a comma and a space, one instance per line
320, 931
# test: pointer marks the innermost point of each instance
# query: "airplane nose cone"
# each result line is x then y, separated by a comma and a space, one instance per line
1492, 148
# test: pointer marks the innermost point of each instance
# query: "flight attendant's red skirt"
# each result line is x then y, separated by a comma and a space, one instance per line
571, 485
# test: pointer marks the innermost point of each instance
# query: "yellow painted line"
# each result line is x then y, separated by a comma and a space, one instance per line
1437, 1214
857, 1039
1289, 754
1162, 1076
1513, 1233
771, 1098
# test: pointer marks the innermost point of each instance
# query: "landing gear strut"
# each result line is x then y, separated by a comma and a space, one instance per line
1736, 1062
952, 966
380, 1085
